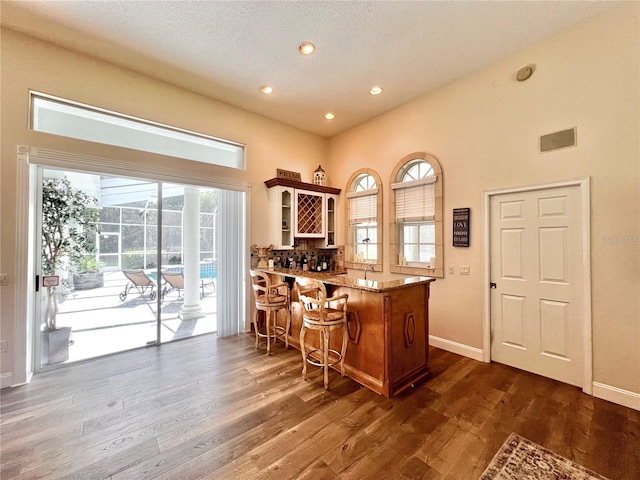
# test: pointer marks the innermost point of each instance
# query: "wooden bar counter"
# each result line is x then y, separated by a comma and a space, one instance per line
388, 324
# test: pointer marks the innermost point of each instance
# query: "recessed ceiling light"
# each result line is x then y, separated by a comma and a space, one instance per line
266, 89
329, 116
306, 48
375, 90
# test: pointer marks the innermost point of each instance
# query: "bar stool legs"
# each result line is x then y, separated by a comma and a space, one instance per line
325, 352
272, 331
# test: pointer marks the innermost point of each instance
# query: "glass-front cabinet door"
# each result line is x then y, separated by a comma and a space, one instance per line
281, 199
331, 204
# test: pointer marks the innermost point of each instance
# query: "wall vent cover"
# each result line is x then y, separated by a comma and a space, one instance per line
556, 140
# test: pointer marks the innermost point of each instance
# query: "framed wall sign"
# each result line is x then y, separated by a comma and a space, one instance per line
288, 175
461, 227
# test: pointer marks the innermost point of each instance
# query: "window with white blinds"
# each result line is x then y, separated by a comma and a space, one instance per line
363, 217
415, 200
363, 206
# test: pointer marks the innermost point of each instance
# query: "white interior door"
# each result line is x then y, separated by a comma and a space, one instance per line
537, 282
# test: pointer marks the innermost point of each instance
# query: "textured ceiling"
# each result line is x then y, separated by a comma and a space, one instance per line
228, 49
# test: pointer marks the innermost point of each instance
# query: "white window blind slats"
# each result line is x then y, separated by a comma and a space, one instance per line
363, 208
415, 203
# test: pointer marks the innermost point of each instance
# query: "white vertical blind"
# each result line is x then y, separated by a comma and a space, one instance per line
363, 207
231, 262
415, 201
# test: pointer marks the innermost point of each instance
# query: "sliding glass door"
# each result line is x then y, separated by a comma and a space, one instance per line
125, 263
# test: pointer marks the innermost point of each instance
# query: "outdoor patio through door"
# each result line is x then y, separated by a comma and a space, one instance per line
121, 263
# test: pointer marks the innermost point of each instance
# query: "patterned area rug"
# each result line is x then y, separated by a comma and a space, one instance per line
521, 459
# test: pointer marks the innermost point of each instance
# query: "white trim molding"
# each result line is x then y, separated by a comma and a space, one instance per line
457, 348
6, 380
617, 395
587, 340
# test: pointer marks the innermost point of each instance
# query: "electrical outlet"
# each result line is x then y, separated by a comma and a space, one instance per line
452, 269
4, 280
4, 346
464, 269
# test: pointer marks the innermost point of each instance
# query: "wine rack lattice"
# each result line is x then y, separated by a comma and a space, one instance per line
309, 213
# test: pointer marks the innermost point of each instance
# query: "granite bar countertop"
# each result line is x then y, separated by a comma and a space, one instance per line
340, 279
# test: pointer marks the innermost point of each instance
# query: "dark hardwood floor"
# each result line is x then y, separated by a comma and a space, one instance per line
217, 408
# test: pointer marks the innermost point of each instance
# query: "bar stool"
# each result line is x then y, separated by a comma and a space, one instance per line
270, 298
317, 314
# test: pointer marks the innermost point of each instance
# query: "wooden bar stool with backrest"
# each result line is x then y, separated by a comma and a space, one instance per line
270, 298
324, 315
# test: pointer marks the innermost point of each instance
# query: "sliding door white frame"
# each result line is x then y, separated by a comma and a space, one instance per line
31, 157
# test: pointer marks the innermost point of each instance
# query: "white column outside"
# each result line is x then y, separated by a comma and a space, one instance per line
191, 308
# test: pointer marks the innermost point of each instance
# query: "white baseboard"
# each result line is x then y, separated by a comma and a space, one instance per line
616, 395
6, 380
455, 347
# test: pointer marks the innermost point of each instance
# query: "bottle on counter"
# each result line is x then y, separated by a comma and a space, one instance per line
287, 263
325, 266
305, 263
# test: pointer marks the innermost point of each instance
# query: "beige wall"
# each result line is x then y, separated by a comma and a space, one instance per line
484, 130
30, 64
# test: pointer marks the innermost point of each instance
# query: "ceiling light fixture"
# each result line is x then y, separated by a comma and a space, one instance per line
329, 116
306, 48
266, 89
375, 90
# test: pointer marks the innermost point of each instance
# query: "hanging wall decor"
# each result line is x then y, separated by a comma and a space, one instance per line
461, 226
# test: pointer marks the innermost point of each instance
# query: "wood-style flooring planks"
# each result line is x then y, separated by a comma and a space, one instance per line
209, 408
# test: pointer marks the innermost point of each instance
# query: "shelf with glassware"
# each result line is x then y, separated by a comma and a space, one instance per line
302, 210
331, 204
281, 199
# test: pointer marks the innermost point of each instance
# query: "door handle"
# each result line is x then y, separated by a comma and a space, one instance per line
493, 285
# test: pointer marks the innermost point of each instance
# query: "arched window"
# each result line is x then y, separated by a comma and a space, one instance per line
417, 210
364, 214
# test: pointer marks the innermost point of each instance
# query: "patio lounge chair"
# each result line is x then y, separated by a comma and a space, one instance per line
139, 280
175, 281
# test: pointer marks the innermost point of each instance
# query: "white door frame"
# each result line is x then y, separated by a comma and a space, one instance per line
587, 341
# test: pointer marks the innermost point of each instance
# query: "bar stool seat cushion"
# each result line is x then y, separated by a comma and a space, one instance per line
330, 315
271, 300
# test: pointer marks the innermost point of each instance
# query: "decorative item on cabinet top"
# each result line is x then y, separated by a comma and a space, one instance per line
319, 177
301, 185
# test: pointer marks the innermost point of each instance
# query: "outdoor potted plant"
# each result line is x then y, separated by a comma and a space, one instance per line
88, 274
69, 217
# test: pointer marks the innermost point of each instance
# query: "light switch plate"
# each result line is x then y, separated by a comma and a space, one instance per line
4, 281
464, 269
452, 269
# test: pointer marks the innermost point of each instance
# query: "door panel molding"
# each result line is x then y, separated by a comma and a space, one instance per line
585, 220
